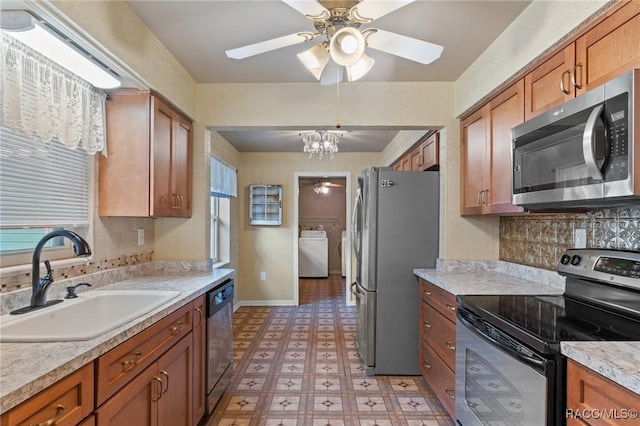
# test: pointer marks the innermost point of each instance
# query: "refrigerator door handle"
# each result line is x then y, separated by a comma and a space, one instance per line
354, 225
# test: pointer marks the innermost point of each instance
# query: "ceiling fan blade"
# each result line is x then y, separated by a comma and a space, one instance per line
405, 47
308, 7
374, 9
332, 74
269, 45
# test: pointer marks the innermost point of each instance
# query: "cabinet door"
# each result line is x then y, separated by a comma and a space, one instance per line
162, 200
609, 49
199, 358
430, 150
550, 84
181, 167
136, 404
417, 160
474, 162
406, 163
507, 111
175, 371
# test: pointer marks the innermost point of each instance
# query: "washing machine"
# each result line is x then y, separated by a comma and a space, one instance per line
313, 254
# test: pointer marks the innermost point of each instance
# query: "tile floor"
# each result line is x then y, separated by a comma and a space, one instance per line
298, 365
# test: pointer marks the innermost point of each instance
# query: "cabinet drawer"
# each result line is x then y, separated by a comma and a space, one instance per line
588, 390
439, 332
68, 401
443, 301
118, 366
440, 377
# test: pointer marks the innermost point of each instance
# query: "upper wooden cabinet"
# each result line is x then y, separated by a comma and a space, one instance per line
605, 51
423, 155
148, 169
486, 154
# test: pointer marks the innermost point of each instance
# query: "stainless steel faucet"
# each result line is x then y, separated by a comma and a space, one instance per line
40, 286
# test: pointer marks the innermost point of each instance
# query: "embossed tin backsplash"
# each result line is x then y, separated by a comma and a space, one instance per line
539, 240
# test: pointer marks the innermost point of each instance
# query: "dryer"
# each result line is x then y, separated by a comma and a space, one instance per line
313, 254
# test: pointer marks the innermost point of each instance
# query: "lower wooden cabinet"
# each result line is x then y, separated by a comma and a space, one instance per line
199, 358
437, 342
592, 399
66, 402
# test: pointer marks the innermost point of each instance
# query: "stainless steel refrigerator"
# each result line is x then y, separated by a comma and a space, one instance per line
395, 229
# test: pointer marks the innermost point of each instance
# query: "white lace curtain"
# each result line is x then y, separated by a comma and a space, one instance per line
40, 98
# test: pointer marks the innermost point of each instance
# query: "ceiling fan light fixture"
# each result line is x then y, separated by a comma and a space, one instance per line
315, 59
347, 46
360, 68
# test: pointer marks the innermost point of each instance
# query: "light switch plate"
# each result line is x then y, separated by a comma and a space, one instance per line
141, 236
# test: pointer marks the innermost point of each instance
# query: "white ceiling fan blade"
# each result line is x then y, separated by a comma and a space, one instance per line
269, 45
405, 47
307, 7
374, 9
332, 74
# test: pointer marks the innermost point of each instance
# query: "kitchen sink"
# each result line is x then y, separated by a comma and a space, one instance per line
91, 314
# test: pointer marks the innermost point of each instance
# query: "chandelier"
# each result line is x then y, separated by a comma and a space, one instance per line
321, 143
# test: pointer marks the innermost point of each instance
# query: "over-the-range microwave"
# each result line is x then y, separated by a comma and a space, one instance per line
582, 153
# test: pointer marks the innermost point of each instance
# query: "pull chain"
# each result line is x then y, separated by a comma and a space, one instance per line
338, 122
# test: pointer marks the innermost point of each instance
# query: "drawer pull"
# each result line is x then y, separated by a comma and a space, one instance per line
165, 374
426, 365
427, 293
427, 324
450, 307
175, 328
451, 394
158, 380
450, 345
199, 311
60, 409
130, 363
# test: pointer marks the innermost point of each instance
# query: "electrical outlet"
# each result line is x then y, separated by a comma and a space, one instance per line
580, 238
263, 276
140, 236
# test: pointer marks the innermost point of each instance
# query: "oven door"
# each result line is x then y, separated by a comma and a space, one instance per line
499, 381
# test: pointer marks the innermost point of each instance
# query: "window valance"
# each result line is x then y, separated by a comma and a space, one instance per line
42, 99
224, 182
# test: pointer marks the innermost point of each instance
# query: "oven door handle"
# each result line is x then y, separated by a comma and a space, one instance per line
588, 142
537, 364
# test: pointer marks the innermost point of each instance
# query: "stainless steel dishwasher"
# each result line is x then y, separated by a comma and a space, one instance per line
219, 342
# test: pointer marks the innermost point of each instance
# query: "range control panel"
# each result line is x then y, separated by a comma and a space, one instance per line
613, 266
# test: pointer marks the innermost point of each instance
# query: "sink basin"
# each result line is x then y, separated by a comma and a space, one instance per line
93, 313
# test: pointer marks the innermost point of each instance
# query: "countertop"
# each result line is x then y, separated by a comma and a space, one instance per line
28, 368
617, 361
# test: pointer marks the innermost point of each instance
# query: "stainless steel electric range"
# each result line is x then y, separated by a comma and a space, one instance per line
509, 369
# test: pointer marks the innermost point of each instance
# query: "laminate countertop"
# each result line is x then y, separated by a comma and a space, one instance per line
28, 368
617, 361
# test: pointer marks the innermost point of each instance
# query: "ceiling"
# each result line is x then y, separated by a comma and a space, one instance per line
198, 32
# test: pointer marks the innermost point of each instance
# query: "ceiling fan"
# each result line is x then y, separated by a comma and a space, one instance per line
321, 186
343, 46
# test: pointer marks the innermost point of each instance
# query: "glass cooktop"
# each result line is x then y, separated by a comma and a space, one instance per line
542, 322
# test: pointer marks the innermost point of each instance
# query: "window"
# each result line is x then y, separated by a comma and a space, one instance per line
43, 186
223, 187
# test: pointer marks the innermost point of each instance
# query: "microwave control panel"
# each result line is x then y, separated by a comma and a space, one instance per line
617, 165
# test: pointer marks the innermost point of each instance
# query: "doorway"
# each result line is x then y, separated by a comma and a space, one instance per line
322, 203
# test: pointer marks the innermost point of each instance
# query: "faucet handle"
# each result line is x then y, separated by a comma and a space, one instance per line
71, 291
48, 266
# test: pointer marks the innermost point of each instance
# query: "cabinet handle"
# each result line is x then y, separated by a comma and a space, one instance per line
157, 379
60, 409
426, 324
130, 363
175, 328
480, 198
420, 160
165, 374
426, 365
576, 69
427, 293
451, 394
562, 86
450, 307
199, 311
450, 345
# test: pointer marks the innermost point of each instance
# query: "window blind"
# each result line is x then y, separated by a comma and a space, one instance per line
42, 184
224, 182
